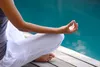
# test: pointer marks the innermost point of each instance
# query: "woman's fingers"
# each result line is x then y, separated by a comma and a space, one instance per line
75, 27
70, 28
71, 23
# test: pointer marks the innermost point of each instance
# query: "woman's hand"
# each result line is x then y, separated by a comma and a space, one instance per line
69, 28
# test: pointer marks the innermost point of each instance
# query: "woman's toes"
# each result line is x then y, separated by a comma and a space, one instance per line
51, 54
45, 58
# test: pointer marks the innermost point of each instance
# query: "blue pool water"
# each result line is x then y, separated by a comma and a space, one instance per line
55, 13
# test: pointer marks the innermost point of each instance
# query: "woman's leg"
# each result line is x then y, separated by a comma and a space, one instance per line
29, 49
38, 45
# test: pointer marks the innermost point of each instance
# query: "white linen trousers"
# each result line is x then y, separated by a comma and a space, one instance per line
21, 50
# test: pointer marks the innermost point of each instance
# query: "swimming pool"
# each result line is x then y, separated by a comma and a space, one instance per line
55, 13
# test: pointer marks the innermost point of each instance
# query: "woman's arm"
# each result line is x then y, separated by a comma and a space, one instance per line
16, 19
14, 16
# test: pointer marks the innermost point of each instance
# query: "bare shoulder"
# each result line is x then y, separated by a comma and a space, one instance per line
5, 3
1, 2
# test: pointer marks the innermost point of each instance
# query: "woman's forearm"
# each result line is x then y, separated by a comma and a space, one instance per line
16, 19
14, 16
29, 27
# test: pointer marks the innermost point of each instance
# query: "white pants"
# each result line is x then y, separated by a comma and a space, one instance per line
21, 50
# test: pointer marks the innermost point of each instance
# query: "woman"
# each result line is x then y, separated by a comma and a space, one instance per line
15, 49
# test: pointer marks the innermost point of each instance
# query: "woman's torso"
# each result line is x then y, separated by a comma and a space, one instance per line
3, 39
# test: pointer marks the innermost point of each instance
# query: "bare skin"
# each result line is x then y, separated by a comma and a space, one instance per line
16, 19
45, 58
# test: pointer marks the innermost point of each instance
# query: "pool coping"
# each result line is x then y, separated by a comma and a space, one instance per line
79, 56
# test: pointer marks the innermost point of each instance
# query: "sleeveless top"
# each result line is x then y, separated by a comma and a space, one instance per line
3, 39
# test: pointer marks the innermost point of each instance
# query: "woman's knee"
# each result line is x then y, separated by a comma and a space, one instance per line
57, 39
61, 36
51, 40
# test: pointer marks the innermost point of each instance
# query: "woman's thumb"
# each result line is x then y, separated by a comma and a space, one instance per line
71, 23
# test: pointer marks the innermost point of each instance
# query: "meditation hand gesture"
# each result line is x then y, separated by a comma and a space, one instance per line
69, 28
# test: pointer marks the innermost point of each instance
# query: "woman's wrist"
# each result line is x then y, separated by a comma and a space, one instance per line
58, 30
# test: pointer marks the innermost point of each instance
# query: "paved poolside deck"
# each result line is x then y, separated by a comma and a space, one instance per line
66, 58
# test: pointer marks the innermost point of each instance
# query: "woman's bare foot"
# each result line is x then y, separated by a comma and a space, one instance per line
45, 58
